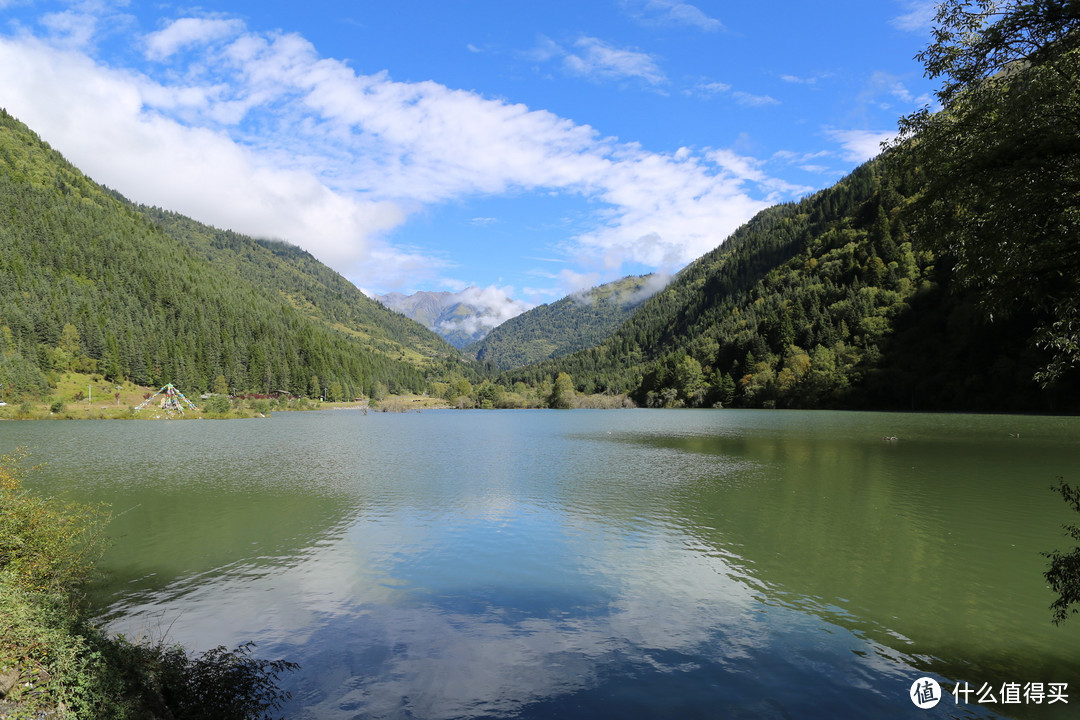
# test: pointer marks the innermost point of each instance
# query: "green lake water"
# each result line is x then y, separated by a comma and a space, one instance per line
592, 564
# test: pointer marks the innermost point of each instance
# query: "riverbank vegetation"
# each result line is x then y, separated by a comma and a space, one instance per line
55, 663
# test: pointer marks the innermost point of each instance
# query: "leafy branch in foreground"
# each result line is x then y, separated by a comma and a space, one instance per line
1002, 160
55, 663
219, 684
1064, 572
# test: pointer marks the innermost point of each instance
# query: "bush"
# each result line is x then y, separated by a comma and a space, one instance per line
217, 405
45, 545
162, 680
57, 407
260, 406
64, 667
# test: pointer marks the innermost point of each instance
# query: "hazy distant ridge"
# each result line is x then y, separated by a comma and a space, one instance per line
578, 321
461, 318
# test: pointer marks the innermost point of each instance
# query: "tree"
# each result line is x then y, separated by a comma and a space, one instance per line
688, 379
220, 387
69, 341
1064, 572
562, 393
1002, 160
488, 395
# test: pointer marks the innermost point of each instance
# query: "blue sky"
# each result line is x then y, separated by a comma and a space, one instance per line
526, 149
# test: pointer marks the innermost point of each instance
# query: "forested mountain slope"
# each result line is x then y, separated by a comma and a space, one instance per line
89, 281
574, 323
828, 302
309, 286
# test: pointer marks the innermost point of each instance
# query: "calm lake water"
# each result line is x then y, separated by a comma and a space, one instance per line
592, 564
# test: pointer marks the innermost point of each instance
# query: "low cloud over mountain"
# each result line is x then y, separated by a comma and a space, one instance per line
462, 317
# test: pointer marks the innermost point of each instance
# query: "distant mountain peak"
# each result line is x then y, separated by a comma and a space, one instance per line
578, 321
461, 318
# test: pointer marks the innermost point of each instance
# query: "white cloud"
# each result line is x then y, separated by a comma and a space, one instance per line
750, 100
919, 16
571, 282
260, 134
671, 12
597, 60
860, 145
495, 306
186, 32
653, 284
709, 88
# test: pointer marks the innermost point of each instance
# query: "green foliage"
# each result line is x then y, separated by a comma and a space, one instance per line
1002, 161
562, 393
94, 283
67, 668
574, 323
828, 302
46, 546
21, 377
216, 405
260, 406
166, 681
943, 276
335, 393
1063, 575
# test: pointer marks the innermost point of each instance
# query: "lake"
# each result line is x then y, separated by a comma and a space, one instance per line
594, 564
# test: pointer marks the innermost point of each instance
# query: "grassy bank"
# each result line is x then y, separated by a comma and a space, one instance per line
79, 396
54, 663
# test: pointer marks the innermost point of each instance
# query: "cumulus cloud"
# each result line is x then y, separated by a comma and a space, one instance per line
187, 32
259, 133
493, 306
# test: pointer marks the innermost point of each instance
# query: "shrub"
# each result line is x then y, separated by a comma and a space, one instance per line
217, 405
45, 545
260, 406
67, 668
162, 680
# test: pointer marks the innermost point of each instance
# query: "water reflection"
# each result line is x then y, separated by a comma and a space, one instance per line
588, 564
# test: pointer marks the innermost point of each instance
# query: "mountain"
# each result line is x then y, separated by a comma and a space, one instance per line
461, 318
827, 302
578, 321
90, 281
